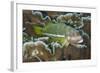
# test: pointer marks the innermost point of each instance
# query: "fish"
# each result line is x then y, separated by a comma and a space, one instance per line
61, 33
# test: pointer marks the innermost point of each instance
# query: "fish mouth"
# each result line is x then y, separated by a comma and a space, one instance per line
80, 41
76, 40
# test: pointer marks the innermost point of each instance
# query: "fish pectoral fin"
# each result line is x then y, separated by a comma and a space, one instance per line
66, 43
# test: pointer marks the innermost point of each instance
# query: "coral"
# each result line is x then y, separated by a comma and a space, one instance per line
36, 49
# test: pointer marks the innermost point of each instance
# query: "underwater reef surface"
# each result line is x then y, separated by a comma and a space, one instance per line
56, 36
